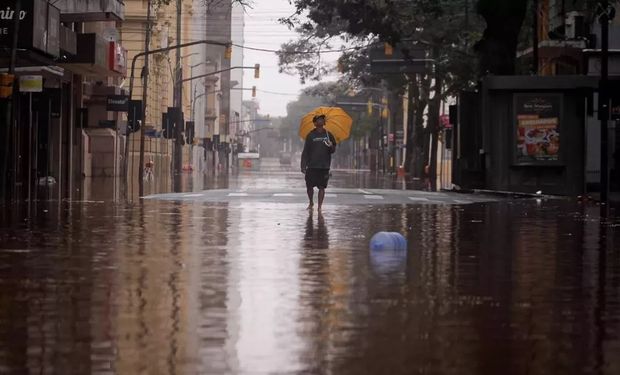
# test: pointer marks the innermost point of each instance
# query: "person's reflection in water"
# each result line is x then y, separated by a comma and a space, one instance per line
319, 238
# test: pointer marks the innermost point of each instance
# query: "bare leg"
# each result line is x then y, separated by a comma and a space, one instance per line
311, 197
321, 197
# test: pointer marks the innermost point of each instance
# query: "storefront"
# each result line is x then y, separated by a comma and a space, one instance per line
41, 107
59, 68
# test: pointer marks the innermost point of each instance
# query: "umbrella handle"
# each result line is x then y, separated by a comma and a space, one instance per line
328, 139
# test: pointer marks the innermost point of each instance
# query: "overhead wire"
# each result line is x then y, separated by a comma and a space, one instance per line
278, 93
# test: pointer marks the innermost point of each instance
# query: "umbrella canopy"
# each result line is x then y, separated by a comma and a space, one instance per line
337, 122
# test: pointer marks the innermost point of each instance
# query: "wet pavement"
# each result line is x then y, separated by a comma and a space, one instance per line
335, 196
191, 286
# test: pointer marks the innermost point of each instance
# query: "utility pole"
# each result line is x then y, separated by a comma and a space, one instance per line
604, 19
535, 56
145, 84
466, 15
409, 141
177, 157
18, 9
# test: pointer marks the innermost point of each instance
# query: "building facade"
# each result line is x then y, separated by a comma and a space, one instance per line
66, 130
67, 57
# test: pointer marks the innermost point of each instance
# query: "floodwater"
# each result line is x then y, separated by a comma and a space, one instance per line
158, 287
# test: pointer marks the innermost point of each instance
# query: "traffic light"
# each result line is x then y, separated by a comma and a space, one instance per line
172, 122
254, 91
369, 107
228, 52
134, 116
388, 49
256, 70
167, 126
6, 85
385, 113
189, 132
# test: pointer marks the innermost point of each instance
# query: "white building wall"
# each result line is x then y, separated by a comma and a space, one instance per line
236, 94
197, 87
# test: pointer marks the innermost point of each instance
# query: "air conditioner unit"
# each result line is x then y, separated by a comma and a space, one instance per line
575, 27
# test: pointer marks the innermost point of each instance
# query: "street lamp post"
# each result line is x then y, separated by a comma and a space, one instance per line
193, 86
147, 41
131, 80
606, 15
177, 159
382, 107
256, 69
177, 155
194, 105
390, 149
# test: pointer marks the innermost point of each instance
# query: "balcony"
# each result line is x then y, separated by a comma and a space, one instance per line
91, 58
91, 10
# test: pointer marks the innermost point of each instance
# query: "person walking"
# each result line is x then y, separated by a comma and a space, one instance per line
316, 159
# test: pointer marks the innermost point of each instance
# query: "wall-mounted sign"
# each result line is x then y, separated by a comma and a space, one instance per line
117, 103
614, 111
537, 121
31, 83
108, 124
400, 137
117, 56
39, 27
444, 121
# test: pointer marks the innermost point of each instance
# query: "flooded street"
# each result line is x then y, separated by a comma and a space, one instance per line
511, 286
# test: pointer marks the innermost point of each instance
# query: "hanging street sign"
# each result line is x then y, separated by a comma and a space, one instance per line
117, 103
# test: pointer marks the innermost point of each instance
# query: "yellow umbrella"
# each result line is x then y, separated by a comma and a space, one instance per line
337, 122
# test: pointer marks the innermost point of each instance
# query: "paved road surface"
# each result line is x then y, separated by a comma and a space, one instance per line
242, 280
335, 196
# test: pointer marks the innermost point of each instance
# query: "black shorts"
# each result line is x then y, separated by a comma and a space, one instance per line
317, 177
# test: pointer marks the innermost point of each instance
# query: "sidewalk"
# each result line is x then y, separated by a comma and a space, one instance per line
614, 197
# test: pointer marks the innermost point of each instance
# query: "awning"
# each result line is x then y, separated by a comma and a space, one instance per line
46, 71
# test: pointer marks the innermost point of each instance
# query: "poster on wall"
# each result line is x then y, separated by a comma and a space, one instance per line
538, 119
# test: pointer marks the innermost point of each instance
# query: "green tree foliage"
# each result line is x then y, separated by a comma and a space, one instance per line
447, 29
498, 46
442, 21
209, 3
295, 110
326, 94
321, 94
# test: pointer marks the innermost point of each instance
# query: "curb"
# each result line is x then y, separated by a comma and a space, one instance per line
512, 194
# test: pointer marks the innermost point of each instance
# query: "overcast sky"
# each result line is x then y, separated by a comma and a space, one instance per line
262, 30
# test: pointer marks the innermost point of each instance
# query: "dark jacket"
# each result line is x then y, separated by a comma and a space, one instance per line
316, 153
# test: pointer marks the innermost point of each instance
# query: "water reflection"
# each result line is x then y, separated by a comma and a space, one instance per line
388, 262
181, 288
316, 238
